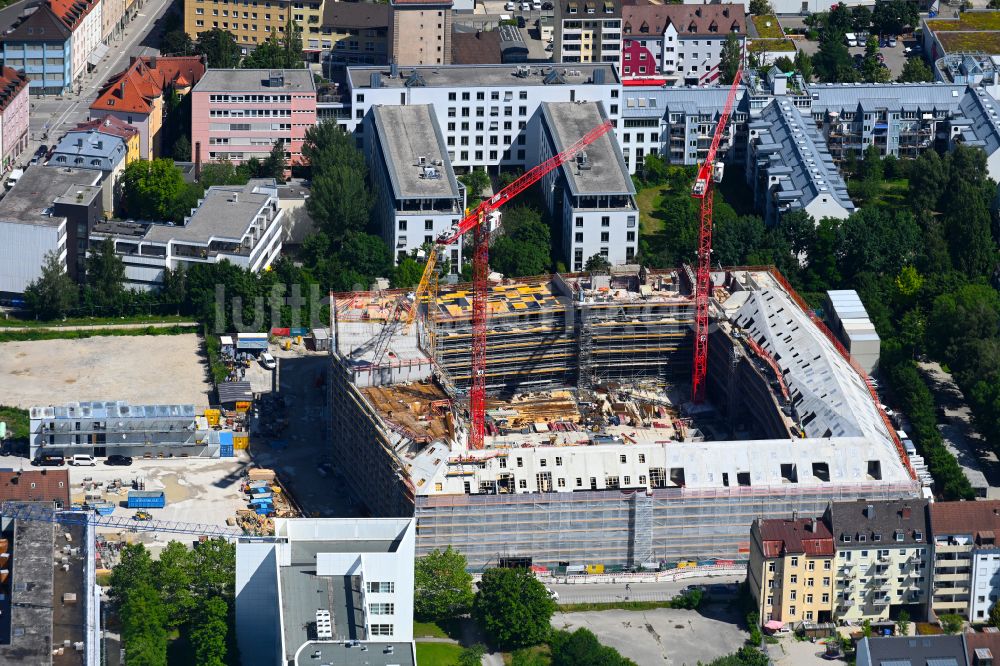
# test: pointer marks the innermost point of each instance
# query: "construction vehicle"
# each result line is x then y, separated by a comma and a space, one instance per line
479, 221
142, 515
708, 173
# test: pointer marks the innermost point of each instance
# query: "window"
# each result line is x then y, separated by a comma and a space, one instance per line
579, 482
561, 483
402, 225
381, 630
542, 462
622, 459
795, 561
429, 225
558, 461
381, 587
793, 579
520, 461
382, 608
770, 567
522, 484
811, 565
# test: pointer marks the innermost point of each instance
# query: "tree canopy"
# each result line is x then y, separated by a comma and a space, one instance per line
220, 47
524, 248
53, 293
275, 52
442, 586
513, 608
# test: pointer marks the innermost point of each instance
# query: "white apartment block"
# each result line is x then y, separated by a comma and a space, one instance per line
593, 195
966, 558
328, 591
86, 38
417, 195
482, 110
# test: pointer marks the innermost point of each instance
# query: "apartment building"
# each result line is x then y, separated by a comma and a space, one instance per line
253, 23
483, 110
966, 558
40, 45
240, 224
592, 196
112, 21
237, 114
83, 18
113, 126
137, 95
90, 149
353, 33
883, 561
14, 115
587, 31
417, 197
681, 44
420, 32
791, 570
328, 591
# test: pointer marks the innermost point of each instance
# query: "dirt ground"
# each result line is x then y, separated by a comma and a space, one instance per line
155, 369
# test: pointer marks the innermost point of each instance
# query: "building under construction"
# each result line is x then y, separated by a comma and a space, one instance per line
593, 454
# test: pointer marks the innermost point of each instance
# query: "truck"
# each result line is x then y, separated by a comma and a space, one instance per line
14, 176
146, 499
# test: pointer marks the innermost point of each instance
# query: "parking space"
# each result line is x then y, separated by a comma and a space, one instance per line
664, 635
895, 56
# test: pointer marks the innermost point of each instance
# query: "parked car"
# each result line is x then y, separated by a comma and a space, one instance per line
525, 6
892, 41
536, 5
268, 361
510, 6
49, 460
552, 594
520, 21
82, 460
118, 461
548, 6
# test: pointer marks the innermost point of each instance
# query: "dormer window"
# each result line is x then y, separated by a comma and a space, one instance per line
713, 27
692, 27
862, 538
918, 535
644, 27
846, 538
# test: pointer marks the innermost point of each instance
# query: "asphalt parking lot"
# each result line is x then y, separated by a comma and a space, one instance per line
664, 635
895, 57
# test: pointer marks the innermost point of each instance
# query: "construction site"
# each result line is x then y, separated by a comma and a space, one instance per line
594, 452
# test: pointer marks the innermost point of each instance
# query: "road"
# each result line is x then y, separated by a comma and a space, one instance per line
53, 116
602, 593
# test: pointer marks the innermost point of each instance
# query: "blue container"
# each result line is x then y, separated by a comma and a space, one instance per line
225, 444
146, 499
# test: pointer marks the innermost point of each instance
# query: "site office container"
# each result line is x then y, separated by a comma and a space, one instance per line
146, 499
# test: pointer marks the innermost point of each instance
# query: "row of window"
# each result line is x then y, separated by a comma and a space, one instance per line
381, 587
235, 157
494, 156
236, 26
18, 63
428, 225
605, 237
382, 608
794, 562
249, 113
246, 3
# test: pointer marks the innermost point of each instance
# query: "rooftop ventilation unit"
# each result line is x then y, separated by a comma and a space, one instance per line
324, 627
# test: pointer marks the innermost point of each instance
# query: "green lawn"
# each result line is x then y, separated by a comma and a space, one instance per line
428, 630
29, 336
893, 194
438, 654
619, 605
648, 199
772, 31
92, 321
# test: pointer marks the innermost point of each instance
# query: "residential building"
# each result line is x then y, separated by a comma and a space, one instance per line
417, 197
241, 224
587, 31
33, 485
982, 649
91, 149
83, 18
138, 95
14, 113
353, 33
482, 110
592, 196
106, 428
940, 650
47, 210
51, 608
968, 32
113, 20
41, 46
791, 570
327, 590
420, 32
253, 25
679, 43
883, 558
789, 168
237, 114
966, 558
113, 126
476, 48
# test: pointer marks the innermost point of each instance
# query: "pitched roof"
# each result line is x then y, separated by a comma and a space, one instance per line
35, 485
891, 522
807, 536
72, 12
940, 650
181, 71
110, 125
474, 48
688, 20
11, 83
356, 15
131, 90
965, 517
42, 25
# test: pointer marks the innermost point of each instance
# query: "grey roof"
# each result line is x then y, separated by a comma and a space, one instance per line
30, 602
255, 80
926, 96
112, 410
983, 128
230, 392
406, 134
303, 593
368, 654
30, 200
89, 145
568, 122
798, 154
891, 523
655, 103
938, 650
482, 76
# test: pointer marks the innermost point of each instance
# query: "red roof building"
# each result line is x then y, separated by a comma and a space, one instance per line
41, 485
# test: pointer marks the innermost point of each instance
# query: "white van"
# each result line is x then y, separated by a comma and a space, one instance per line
851, 39
81, 460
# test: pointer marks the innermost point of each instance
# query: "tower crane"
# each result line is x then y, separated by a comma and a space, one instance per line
702, 189
475, 221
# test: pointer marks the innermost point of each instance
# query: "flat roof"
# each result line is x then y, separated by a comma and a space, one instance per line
255, 80
483, 76
367, 654
30, 602
224, 213
79, 195
416, 156
30, 200
568, 122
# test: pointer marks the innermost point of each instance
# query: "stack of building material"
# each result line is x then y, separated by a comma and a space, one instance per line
849, 321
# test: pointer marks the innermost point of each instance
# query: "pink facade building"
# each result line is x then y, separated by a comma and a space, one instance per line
14, 107
237, 114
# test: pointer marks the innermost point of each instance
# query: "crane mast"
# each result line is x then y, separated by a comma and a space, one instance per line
702, 189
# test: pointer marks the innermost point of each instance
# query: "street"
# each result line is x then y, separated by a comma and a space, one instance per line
51, 117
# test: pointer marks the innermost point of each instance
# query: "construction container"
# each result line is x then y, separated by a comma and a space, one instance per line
103, 508
212, 416
146, 499
241, 440
243, 406
595, 568
226, 444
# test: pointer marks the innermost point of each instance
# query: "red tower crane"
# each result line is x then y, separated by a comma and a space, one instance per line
702, 189
474, 221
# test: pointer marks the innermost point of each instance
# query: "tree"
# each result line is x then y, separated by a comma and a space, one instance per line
408, 273
340, 201
105, 274
220, 47
995, 614
274, 165
951, 623
182, 149
442, 587
761, 8
730, 58
872, 70
878, 241
784, 63
524, 248
476, 181
173, 575
214, 561
597, 264
903, 623
967, 222
176, 42
654, 170
275, 53
833, 61
472, 655
839, 21
804, 65
871, 166
143, 626
861, 18
892, 16
134, 566
208, 633
513, 608
928, 179
366, 254
746, 656
53, 293
581, 648
222, 172
915, 71
152, 189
